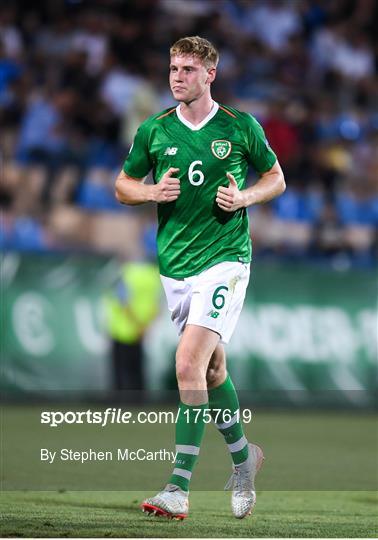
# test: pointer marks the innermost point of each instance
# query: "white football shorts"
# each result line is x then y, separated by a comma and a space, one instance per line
213, 299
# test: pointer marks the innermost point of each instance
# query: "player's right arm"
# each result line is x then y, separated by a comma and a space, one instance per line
133, 191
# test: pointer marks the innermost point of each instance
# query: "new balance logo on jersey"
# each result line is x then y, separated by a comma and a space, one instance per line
171, 151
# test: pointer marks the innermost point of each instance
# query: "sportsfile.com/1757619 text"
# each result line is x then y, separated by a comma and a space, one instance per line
114, 415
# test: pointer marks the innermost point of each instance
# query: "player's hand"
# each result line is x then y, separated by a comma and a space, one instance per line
230, 198
168, 189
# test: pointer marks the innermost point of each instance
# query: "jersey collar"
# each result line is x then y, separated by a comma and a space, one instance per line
191, 126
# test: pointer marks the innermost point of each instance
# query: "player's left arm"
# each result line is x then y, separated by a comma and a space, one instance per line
271, 184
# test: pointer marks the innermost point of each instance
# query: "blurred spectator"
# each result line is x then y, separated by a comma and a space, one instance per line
118, 87
91, 38
55, 40
282, 134
353, 58
328, 236
131, 306
46, 138
273, 23
11, 37
41, 135
143, 103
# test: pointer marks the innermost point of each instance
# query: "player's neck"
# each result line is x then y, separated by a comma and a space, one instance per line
197, 110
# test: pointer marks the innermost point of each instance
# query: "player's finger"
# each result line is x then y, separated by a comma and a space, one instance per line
225, 190
225, 196
223, 204
225, 208
173, 181
232, 180
225, 200
172, 170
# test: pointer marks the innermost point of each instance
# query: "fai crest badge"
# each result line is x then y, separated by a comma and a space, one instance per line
221, 149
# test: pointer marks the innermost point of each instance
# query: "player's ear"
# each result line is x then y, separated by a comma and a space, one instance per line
211, 72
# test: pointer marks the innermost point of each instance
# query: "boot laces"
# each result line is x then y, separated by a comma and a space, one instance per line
239, 481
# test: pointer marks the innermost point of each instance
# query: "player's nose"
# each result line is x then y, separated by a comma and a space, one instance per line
178, 76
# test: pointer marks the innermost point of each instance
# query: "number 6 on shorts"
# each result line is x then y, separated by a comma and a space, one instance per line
219, 299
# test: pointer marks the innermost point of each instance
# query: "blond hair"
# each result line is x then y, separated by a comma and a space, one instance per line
196, 46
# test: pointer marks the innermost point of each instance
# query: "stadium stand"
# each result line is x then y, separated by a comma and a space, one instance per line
76, 78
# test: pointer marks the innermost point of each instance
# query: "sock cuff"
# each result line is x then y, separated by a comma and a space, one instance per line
185, 407
191, 413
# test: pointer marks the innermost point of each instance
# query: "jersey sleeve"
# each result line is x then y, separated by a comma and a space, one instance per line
260, 155
138, 163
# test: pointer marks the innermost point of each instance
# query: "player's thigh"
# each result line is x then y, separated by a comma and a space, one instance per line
178, 293
218, 296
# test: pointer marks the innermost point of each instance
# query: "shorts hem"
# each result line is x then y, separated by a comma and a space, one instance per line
203, 325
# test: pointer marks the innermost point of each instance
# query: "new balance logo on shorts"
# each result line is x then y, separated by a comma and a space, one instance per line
214, 314
170, 151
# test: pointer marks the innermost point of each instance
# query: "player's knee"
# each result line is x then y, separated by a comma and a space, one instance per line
186, 370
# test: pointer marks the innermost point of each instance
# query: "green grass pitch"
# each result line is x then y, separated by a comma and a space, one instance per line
117, 514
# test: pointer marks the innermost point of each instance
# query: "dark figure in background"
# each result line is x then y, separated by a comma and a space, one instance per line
131, 306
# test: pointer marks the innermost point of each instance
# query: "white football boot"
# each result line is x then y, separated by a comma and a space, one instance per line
172, 503
242, 482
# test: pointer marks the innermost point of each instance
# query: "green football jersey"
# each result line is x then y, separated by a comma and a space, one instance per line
193, 232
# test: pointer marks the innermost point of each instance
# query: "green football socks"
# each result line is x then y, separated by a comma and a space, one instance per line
224, 405
190, 427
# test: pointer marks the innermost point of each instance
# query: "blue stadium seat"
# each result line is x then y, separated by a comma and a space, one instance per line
93, 196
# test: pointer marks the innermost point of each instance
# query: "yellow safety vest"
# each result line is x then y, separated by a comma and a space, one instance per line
126, 322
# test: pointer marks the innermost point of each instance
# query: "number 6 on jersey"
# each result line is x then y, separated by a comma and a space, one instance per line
192, 172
